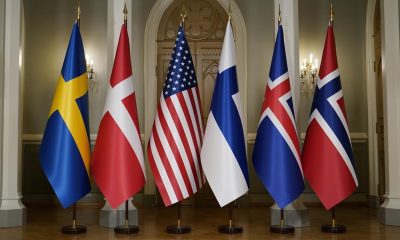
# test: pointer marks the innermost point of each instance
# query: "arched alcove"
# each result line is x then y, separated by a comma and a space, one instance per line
150, 57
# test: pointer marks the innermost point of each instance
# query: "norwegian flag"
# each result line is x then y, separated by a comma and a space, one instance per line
176, 138
276, 156
327, 156
117, 165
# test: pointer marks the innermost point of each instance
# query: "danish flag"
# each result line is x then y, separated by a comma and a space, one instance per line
327, 156
276, 156
118, 165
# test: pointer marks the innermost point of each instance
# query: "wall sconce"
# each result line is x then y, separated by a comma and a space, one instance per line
308, 73
89, 68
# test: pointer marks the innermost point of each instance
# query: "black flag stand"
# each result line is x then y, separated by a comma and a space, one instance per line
178, 228
281, 228
73, 229
230, 228
333, 228
126, 228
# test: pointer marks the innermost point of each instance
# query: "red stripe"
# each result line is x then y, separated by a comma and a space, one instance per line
158, 179
196, 113
185, 140
166, 162
200, 127
172, 143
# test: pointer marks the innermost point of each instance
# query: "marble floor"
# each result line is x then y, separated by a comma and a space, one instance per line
44, 224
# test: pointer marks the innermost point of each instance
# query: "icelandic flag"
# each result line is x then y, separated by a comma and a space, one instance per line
276, 156
327, 156
223, 155
65, 149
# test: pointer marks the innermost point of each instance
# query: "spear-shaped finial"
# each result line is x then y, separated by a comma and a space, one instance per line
125, 15
229, 10
78, 13
279, 15
331, 13
184, 14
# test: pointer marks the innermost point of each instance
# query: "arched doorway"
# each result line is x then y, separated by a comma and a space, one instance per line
203, 53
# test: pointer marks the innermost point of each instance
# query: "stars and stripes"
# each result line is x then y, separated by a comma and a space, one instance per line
276, 155
327, 156
176, 138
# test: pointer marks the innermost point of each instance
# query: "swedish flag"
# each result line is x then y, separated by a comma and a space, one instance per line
65, 149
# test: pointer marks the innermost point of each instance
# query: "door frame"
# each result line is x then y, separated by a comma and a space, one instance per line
373, 198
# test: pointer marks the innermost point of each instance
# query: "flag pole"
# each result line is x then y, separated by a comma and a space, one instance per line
333, 227
178, 228
126, 228
230, 228
73, 229
281, 228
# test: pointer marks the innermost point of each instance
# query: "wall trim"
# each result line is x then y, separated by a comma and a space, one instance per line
371, 98
356, 137
37, 138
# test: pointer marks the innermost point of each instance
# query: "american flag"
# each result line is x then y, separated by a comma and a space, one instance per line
176, 138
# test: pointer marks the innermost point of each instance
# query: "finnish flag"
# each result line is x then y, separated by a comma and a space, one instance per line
223, 155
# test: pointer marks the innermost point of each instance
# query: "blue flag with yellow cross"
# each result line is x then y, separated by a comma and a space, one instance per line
65, 149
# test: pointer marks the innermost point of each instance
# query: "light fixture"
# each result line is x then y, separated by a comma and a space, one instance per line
89, 68
308, 73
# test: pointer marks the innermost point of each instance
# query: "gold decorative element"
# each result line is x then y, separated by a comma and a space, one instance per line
279, 16
78, 13
331, 15
184, 13
207, 20
125, 11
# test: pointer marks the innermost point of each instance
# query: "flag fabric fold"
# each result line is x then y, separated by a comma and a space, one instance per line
327, 156
118, 165
276, 156
177, 133
223, 155
65, 149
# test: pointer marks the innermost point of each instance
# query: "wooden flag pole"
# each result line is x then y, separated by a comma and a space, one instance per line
230, 228
282, 228
178, 228
126, 228
73, 229
333, 227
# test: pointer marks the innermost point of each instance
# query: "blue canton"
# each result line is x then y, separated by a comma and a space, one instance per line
181, 75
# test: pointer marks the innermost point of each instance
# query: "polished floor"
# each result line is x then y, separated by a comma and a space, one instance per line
44, 223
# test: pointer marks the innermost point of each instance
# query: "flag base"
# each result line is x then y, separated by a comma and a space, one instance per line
230, 229
181, 229
329, 228
77, 229
282, 229
126, 229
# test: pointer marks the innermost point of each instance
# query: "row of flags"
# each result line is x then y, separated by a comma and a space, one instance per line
182, 154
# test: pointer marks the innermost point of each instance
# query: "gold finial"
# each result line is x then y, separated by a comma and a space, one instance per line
331, 15
279, 15
125, 14
78, 13
184, 13
229, 10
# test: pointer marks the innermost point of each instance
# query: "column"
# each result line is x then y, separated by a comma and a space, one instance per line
12, 211
389, 212
113, 217
296, 214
